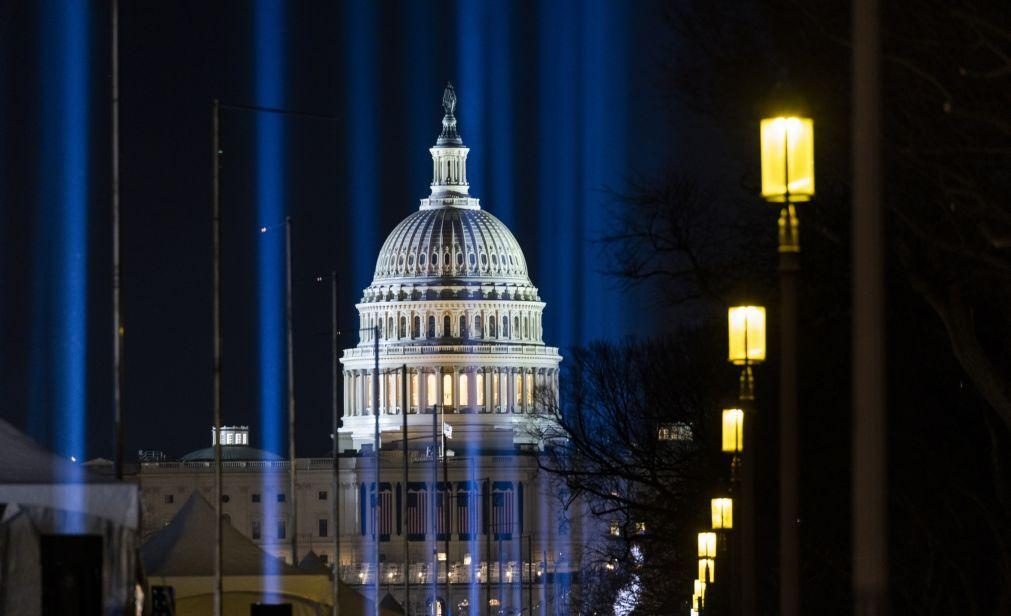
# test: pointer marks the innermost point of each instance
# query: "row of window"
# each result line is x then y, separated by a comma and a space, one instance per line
281, 528
519, 389
253, 498
523, 327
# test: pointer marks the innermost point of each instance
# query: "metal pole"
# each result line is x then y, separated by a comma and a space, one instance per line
117, 313
291, 391
216, 361
870, 523
789, 583
445, 507
501, 582
336, 446
744, 475
530, 574
487, 546
407, 561
544, 582
432, 508
377, 446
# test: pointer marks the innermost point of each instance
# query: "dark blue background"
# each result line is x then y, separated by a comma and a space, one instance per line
557, 104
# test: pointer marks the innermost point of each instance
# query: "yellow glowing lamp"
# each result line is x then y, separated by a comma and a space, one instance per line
733, 430
707, 545
700, 590
746, 334
707, 570
787, 159
723, 513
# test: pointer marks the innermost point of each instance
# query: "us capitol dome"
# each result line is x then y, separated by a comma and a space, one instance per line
452, 300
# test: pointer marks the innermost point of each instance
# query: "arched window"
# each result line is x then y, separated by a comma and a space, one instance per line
491, 326
477, 326
389, 327
516, 326
526, 327
430, 389
447, 327
464, 395
431, 326
479, 388
505, 327
447, 390
403, 327
416, 327
463, 326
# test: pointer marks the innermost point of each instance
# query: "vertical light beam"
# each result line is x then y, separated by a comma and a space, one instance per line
59, 346
269, 82
363, 137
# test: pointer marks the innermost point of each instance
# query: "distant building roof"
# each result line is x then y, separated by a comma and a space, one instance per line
230, 453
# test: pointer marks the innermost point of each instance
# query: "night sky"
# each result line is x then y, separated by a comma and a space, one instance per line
550, 105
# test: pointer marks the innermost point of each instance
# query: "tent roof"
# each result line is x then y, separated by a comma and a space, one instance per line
22, 460
311, 563
185, 547
390, 604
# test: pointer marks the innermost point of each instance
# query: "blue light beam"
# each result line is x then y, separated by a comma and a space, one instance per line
58, 413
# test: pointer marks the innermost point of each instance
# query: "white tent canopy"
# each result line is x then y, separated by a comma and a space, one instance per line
181, 555
45, 494
32, 476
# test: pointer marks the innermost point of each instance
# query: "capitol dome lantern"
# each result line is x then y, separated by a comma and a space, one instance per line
452, 299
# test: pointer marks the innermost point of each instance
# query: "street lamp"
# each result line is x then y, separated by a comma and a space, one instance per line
723, 513
707, 545
746, 343
707, 570
787, 153
733, 431
745, 348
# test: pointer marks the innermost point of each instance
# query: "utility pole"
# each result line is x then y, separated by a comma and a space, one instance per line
530, 573
377, 446
405, 405
335, 412
445, 507
870, 451
117, 311
432, 507
487, 545
216, 361
289, 327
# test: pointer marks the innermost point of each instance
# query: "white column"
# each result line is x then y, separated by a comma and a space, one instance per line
515, 375
487, 390
422, 389
438, 380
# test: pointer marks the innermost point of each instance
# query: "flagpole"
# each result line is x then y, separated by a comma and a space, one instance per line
336, 445
445, 506
405, 405
377, 446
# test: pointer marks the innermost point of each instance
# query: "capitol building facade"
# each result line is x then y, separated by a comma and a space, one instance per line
451, 379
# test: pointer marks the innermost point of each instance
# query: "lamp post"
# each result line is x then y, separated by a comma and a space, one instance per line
745, 348
787, 152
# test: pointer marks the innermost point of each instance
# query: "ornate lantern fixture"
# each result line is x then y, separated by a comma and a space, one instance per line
733, 431
707, 570
723, 513
707, 545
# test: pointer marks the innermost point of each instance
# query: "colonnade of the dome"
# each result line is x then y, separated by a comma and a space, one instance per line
478, 321
456, 389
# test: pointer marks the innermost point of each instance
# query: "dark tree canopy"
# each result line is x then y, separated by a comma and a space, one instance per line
700, 235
